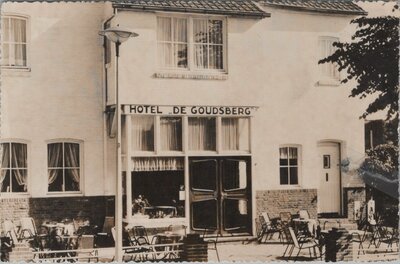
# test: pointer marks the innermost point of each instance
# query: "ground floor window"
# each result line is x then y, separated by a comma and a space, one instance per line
289, 165
64, 172
13, 167
157, 186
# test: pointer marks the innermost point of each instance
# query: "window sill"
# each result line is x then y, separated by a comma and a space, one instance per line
328, 82
220, 76
64, 194
14, 195
16, 68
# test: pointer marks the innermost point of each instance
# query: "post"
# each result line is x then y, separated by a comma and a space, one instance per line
118, 194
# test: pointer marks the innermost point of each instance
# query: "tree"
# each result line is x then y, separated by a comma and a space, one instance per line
372, 59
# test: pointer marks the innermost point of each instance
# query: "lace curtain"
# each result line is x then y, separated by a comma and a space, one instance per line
157, 164
5, 164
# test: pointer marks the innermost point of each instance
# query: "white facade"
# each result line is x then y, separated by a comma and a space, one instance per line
270, 65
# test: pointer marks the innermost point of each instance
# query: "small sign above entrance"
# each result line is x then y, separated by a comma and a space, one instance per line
189, 110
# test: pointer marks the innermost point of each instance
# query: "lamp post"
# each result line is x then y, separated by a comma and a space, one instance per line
118, 35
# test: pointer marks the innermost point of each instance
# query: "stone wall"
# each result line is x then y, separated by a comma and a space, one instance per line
276, 201
57, 208
350, 195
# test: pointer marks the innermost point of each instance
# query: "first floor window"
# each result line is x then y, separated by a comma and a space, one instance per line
326, 48
13, 167
202, 133
289, 165
190, 43
14, 41
64, 171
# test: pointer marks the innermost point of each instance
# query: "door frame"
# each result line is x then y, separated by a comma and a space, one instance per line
341, 146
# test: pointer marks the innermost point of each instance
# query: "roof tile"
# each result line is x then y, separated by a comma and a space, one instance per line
329, 6
223, 7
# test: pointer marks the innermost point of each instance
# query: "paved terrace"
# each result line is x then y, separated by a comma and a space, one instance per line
271, 251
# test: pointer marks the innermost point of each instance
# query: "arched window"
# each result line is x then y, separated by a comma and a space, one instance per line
64, 166
13, 167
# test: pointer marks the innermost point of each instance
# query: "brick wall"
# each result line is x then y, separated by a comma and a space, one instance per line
276, 201
350, 195
57, 208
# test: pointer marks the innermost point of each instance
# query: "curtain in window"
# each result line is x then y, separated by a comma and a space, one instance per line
72, 162
202, 133
5, 163
172, 42
200, 47
157, 164
230, 135
19, 164
143, 133
326, 47
14, 41
171, 133
54, 161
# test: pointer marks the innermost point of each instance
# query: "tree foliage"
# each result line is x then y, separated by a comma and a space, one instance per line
380, 169
372, 59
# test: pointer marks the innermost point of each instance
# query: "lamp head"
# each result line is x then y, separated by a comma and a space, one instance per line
118, 34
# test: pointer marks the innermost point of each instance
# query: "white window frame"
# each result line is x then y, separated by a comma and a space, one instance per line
27, 43
299, 165
334, 77
81, 167
190, 53
25, 142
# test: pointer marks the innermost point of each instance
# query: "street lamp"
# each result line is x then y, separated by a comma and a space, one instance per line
118, 35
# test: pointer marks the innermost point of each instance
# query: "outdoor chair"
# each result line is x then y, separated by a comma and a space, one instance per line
9, 230
268, 228
360, 238
387, 236
303, 214
300, 243
28, 232
211, 240
285, 220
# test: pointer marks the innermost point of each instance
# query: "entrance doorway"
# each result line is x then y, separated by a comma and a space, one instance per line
220, 194
329, 190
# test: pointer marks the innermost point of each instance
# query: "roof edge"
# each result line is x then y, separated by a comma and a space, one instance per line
318, 10
260, 15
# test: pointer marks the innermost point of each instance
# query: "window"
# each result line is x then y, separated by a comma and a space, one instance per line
328, 71
202, 133
13, 167
147, 199
235, 134
143, 133
64, 169
171, 133
14, 41
289, 165
190, 43
208, 44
